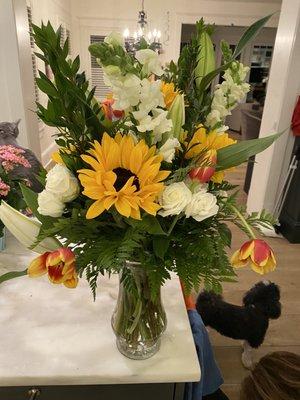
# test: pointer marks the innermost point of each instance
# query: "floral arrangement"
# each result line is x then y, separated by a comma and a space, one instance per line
142, 176
12, 157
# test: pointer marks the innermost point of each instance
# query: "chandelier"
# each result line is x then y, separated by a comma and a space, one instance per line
133, 41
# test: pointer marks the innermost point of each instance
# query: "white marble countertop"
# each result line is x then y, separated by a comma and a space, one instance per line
51, 335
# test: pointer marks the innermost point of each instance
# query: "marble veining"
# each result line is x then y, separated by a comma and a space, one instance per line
51, 335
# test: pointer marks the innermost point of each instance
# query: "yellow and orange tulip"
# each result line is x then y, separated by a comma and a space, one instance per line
59, 265
258, 253
204, 173
109, 112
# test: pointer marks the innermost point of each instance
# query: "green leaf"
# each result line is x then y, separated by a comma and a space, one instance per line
250, 34
209, 77
31, 199
160, 246
149, 224
46, 87
236, 154
225, 234
12, 275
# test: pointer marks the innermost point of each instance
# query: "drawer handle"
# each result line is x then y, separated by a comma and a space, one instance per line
33, 393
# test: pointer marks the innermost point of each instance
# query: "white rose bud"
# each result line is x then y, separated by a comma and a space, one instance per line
174, 199
62, 183
50, 204
167, 150
202, 206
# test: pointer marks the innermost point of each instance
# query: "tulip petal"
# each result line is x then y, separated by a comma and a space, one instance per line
246, 250
72, 282
261, 252
236, 261
55, 274
37, 267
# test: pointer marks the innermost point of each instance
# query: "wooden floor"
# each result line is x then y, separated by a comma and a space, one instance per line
284, 333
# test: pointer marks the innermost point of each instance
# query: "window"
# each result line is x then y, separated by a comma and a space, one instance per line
97, 78
33, 57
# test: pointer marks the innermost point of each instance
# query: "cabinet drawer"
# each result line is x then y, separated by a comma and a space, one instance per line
165, 391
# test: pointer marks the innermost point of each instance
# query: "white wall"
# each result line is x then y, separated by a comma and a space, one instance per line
283, 89
100, 17
58, 12
16, 80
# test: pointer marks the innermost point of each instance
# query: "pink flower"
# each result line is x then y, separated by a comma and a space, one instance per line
11, 156
4, 188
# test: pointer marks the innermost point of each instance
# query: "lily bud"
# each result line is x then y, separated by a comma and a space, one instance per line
177, 115
258, 253
26, 229
204, 173
206, 62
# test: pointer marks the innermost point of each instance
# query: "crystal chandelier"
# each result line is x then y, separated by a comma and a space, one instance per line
143, 32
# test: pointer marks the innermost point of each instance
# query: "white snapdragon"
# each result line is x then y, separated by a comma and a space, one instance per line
126, 91
161, 124
150, 61
49, 204
202, 205
62, 183
151, 95
167, 150
150, 98
174, 199
227, 94
115, 39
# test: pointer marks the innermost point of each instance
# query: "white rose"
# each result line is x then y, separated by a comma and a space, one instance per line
115, 39
174, 199
202, 206
150, 61
50, 204
62, 183
167, 150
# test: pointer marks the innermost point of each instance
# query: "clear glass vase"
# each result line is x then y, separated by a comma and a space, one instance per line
138, 320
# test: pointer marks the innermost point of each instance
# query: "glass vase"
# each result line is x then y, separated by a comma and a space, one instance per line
138, 319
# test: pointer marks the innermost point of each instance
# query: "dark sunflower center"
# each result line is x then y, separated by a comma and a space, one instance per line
122, 177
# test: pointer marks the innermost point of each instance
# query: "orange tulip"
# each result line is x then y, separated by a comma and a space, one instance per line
109, 112
258, 253
204, 173
60, 266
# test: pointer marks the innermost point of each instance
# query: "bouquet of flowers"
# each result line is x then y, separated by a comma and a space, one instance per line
139, 186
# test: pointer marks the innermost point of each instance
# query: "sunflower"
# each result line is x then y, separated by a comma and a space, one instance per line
124, 175
203, 141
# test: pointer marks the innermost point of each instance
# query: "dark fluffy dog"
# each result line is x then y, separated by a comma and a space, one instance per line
248, 322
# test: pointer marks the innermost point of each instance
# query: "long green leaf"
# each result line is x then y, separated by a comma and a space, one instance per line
236, 154
12, 275
250, 34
